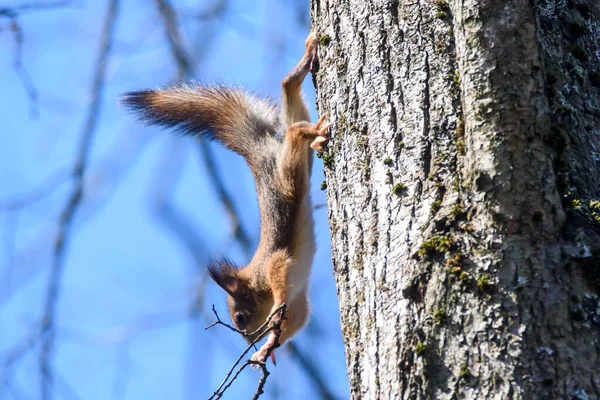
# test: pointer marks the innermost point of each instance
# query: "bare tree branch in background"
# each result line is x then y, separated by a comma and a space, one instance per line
174, 219
311, 370
184, 64
12, 13
125, 333
215, 11
32, 7
262, 365
36, 194
26, 81
122, 335
99, 184
23, 347
302, 16
64, 389
239, 233
73, 203
10, 249
220, 10
185, 71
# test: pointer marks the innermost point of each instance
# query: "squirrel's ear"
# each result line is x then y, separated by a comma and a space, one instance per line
224, 273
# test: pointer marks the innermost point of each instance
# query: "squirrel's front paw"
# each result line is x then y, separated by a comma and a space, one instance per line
261, 354
321, 135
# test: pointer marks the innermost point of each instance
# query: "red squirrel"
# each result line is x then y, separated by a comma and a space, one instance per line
276, 143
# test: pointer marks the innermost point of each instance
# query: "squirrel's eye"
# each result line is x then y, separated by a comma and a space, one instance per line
239, 319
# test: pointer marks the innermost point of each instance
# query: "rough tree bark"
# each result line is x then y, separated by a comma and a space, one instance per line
462, 177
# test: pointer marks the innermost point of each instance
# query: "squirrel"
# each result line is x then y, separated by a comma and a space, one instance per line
281, 165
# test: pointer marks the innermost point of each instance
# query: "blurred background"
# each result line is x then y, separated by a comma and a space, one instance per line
106, 225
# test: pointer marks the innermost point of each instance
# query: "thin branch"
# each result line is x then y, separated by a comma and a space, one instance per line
122, 334
311, 370
263, 379
74, 202
62, 386
36, 194
221, 11
10, 244
167, 172
19, 350
12, 13
26, 81
215, 11
219, 322
245, 333
184, 63
211, 168
30, 7
262, 331
185, 71
99, 185
319, 206
177, 222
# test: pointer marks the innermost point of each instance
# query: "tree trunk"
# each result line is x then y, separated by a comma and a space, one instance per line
462, 176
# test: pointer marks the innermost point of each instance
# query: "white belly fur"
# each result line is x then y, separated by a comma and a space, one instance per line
303, 251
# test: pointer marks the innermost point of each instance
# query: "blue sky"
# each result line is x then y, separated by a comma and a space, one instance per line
122, 328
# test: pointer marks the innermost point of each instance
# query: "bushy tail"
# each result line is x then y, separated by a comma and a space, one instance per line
237, 119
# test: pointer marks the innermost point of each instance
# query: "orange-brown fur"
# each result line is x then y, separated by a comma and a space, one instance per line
278, 273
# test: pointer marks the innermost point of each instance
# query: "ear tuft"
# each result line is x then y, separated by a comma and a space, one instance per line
224, 273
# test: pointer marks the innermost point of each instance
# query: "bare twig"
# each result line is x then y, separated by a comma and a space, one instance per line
21, 348
211, 167
261, 331
263, 379
319, 206
121, 334
12, 13
219, 322
67, 216
311, 370
172, 217
221, 11
62, 386
184, 64
245, 333
185, 71
30, 7
177, 222
99, 185
36, 194
10, 244
24, 76
214, 11
304, 361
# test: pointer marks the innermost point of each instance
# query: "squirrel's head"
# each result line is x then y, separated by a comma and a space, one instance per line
248, 308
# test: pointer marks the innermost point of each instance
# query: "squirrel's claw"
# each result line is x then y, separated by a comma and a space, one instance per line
261, 354
320, 141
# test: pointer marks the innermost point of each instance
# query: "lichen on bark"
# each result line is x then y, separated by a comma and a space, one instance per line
463, 135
